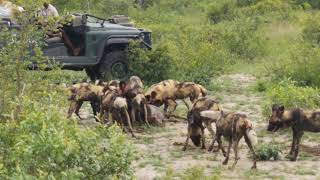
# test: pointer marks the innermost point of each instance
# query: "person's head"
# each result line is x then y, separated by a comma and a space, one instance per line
46, 5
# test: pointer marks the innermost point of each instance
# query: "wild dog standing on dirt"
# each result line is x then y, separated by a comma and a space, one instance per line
132, 90
232, 126
197, 124
167, 92
299, 121
84, 92
119, 112
112, 102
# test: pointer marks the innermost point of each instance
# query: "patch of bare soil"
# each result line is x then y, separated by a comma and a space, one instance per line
160, 149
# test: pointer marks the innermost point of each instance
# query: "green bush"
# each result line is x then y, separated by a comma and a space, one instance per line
44, 145
288, 94
221, 10
312, 3
311, 32
268, 151
301, 66
152, 66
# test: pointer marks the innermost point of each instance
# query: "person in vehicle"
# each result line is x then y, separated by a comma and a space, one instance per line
50, 11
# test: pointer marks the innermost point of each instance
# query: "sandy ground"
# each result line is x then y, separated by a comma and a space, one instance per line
160, 149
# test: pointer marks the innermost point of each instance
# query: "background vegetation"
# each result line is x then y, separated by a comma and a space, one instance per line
193, 41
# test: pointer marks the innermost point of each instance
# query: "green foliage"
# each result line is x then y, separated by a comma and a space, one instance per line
268, 151
288, 94
312, 3
301, 66
311, 32
151, 66
221, 10
46, 145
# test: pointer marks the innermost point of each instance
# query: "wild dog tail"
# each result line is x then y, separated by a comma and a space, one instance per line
213, 115
252, 136
196, 140
203, 90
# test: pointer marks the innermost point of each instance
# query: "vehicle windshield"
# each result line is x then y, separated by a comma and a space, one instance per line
94, 19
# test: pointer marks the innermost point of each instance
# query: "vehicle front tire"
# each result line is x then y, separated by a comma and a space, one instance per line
114, 65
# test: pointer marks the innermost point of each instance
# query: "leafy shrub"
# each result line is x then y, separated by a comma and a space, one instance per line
240, 38
302, 66
47, 146
152, 66
268, 151
311, 33
312, 3
291, 96
221, 10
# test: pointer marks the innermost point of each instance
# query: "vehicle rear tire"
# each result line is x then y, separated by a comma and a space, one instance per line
91, 73
114, 65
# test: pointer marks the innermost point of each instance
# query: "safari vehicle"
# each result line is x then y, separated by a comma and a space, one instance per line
103, 44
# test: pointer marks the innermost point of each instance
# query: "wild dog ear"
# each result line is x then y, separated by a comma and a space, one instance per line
281, 108
153, 94
274, 107
148, 98
73, 90
248, 124
105, 89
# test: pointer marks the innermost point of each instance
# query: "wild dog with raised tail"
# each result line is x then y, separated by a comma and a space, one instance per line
232, 126
299, 120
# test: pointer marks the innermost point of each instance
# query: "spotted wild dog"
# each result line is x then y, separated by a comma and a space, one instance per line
113, 103
299, 120
132, 90
84, 92
167, 92
197, 124
232, 126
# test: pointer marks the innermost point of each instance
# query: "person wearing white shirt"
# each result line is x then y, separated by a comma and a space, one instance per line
49, 10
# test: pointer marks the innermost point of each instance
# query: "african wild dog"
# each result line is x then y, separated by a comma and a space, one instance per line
299, 121
232, 126
84, 92
167, 92
197, 124
132, 90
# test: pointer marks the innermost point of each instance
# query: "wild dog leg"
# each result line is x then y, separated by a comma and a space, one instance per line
95, 109
228, 153
129, 122
172, 106
187, 105
78, 106
220, 146
294, 137
72, 108
203, 146
249, 143
146, 114
133, 115
296, 150
209, 127
235, 150
187, 140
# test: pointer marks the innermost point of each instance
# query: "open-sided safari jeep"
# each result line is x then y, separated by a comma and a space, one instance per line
103, 44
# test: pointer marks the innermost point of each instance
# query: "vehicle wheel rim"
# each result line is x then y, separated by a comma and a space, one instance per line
119, 70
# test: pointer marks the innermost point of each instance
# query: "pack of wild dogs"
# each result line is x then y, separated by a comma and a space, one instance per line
126, 103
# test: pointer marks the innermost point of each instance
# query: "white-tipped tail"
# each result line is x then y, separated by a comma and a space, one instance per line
120, 102
252, 136
214, 115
